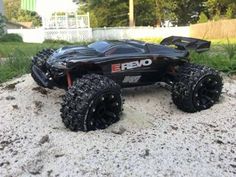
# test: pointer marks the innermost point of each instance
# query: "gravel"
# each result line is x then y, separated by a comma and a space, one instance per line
153, 138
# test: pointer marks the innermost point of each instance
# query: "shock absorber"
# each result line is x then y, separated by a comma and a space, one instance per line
69, 80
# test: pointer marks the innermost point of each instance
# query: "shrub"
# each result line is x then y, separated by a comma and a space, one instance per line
229, 13
202, 18
63, 42
2, 25
217, 16
11, 38
51, 41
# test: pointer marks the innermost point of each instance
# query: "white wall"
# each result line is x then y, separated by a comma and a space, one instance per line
29, 35
88, 34
139, 32
72, 35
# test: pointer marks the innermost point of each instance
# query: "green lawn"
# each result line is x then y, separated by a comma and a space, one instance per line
222, 56
18, 58
9, 48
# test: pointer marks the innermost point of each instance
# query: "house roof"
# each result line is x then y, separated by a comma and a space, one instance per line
26, 24
15, 24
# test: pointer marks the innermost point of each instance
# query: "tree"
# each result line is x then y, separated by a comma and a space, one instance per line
12, 8
145, 13
203, 18
220, 8
229, 13
188, 11
25, 16
181, 12
14, 13
153, 12
165, 10
115, 13
106, 12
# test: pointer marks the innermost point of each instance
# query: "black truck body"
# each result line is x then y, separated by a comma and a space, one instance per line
93, 76
129, 62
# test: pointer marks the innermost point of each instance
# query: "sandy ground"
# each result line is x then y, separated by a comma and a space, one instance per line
153, 138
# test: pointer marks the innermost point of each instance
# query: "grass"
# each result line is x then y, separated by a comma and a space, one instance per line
9, 48
151, 40
16, 64
222, 56
223, 41
18, 58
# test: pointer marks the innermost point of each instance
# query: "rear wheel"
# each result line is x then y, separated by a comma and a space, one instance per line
93, 102
197, 88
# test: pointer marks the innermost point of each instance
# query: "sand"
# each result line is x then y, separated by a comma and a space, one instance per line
153, 137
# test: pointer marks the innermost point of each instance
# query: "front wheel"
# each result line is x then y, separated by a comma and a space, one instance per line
93, 102
197, 88
40, 60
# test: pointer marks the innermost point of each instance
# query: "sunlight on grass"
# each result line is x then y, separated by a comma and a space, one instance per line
223, 41
151, 40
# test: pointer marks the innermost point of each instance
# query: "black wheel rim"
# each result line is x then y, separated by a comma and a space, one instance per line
104, 111
207, 92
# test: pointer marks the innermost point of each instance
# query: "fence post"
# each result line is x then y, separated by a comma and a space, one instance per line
67, 21
88, 19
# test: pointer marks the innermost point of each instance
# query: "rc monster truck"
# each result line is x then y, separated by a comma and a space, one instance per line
93, 76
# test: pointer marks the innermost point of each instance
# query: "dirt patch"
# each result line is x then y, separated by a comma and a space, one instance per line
12, 86
38, 106
10, 98
41, 90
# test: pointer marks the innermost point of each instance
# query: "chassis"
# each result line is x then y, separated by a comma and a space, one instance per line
94, 75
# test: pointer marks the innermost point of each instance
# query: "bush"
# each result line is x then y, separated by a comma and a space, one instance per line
63, 42
2, 25
11, 38
51, 41
229, 13
202, 18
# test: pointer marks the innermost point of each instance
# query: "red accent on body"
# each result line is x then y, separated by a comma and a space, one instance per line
69, 81
115, 68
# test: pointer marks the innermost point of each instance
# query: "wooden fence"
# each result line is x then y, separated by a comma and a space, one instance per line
214, 30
